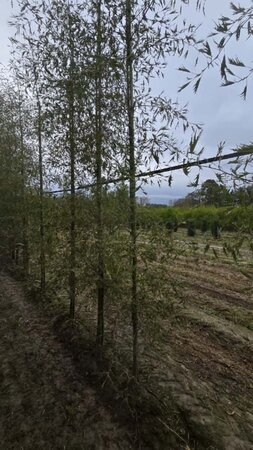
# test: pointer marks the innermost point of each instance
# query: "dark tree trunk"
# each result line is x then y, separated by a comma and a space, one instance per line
24, 203
132, 180
72, 149
42, 228
99, 206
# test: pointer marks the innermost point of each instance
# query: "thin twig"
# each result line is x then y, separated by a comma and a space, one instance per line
173, 431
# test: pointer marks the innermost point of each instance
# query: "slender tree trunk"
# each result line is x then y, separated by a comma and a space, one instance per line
72, 276
99, 206
132, 180
42, 228
72, 268
24, 203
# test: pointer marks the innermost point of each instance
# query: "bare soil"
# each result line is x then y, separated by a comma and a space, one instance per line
206, 354
199, 369
44, 402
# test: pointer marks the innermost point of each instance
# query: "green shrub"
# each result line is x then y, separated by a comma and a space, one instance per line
175, 224
229, 218
170, 224
191, 228
215, 229
204, 225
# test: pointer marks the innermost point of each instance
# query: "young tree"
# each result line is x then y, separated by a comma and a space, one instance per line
97, 62
16, 167
23, 170
26, 64
99, 191
10, 174
132, 176
52, 32
149, 38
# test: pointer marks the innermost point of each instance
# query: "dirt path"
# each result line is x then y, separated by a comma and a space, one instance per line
44, 403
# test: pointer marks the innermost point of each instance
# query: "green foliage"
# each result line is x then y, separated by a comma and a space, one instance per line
212, 193
149, 216
229, 218
191, 228
89, 68
204, 225
209, 193
16, 167
215, 229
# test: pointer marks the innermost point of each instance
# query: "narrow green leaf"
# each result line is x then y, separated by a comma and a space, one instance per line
244, 92
236, 62
184, 86
223, 67
183, 69
196, 85
228, 83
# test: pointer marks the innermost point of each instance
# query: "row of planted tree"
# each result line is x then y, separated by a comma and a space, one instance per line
78, 110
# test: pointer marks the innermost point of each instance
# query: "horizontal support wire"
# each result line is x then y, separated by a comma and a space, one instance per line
160, 171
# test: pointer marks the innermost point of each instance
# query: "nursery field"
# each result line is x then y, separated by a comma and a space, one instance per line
197, 353
195, 311
196, 344
204, 356
124, 323
231, 247
196, 337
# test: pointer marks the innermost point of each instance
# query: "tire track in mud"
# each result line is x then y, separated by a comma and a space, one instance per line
211, 382
201, 275
218, 294
224, 276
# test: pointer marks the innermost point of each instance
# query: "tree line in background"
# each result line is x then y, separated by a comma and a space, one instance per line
78, 110
217, 194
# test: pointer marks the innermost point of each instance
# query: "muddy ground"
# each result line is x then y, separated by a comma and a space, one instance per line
199, 370
44, 403
206, 353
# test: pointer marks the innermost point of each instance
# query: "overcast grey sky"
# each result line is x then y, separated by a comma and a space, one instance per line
226, 117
